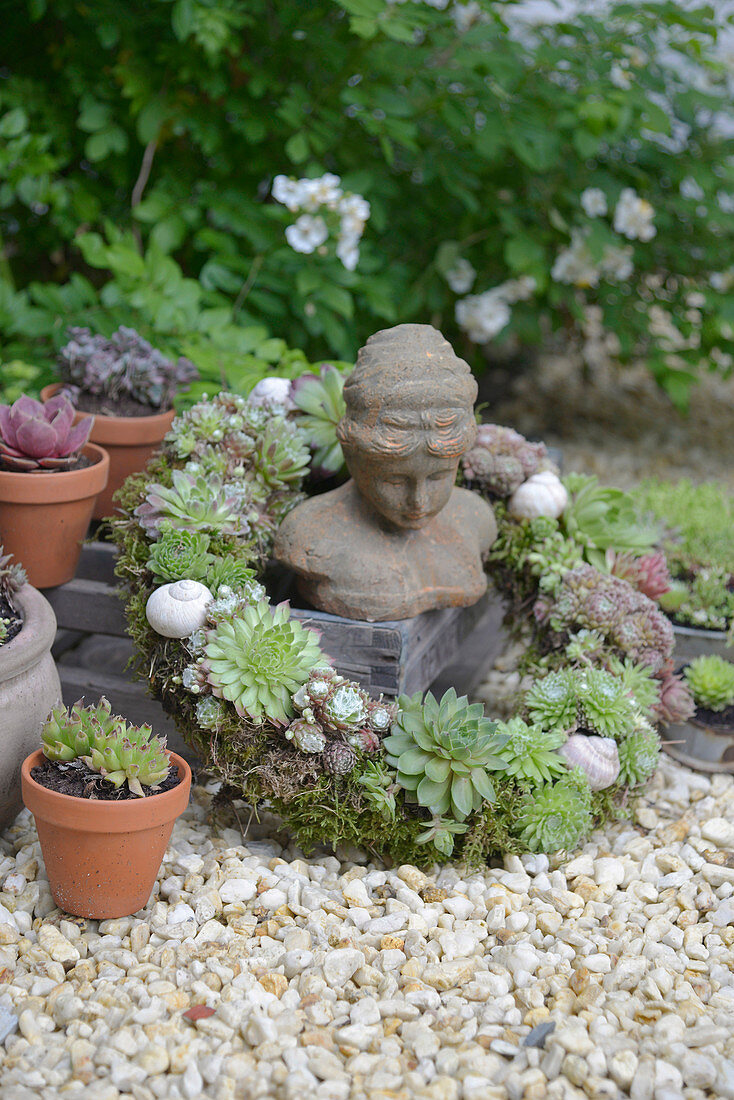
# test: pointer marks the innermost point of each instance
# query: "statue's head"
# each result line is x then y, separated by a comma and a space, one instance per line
409, 419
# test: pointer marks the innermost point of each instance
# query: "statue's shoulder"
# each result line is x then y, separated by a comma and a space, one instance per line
471, 512
304, 535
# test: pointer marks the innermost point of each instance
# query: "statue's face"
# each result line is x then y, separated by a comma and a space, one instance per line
408, 491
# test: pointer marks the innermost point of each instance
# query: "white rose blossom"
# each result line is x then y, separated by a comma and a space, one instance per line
691, 189
482, 316
620, 77
633, 216
309, 232
306, 233
575, 265
594, 202
461, 276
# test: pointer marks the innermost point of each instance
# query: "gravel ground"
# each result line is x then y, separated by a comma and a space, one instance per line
609, 975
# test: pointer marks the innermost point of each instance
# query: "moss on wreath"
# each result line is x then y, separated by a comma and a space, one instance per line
321, 765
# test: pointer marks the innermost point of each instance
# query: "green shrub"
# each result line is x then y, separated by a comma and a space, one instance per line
512, 177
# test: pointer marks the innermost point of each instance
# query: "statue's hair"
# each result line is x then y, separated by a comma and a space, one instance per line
408, 391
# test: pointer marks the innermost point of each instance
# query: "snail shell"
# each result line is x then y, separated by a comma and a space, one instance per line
176, 610
597, 756
543, 494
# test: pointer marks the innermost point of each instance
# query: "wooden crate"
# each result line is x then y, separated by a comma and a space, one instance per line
454, 645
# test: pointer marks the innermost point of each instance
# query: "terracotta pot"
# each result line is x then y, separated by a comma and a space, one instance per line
130, 442
44, 516
29, 688
102, 858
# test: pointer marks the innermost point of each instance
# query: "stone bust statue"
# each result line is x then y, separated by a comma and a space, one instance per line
399, 538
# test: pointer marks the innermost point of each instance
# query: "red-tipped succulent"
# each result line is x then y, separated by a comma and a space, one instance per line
35, 437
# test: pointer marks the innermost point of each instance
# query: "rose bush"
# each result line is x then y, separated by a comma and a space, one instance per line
213, 171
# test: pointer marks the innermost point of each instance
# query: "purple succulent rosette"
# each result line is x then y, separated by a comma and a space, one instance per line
35, 437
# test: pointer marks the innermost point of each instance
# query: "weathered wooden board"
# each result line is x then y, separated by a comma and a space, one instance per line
389, 658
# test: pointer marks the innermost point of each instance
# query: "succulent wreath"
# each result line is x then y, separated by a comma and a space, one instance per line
413, 779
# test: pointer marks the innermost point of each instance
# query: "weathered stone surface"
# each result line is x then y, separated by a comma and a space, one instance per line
398, 538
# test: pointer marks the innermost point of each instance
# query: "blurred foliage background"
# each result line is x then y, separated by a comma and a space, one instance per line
518, 174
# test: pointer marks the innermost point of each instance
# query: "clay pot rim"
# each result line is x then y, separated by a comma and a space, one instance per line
57, 486
88, 815
35, 637
121, 430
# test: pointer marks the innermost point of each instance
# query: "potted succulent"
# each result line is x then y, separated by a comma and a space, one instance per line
29, 682
698, 522
706, 740
50, 476
105, 796
129, 387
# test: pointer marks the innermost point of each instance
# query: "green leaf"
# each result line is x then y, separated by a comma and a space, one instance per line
436, 769
483, 785
524, 255
431, 793
13, 123
415, 762
462, 797
296, 148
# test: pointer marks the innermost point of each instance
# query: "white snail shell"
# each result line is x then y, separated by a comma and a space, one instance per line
272, 392
543, 494
597, 756
176, 610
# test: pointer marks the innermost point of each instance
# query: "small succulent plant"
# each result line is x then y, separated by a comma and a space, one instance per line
12, 575
378, 788
125, 365
529, 752
210, 712
180, 554
106, 744
711, 680
551, 701
190, 502
36, 437
502, 459
441, 833
638, 755
648, 573
675, 703
601, 518
338, 758
557, 815
257, 660
320, 406
706, 600
443, 753
638, 681
628, 620
280, 459
590, 699
307, 736
229, 571
4, 624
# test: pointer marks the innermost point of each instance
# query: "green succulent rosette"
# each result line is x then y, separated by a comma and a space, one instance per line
443, 753
257, 660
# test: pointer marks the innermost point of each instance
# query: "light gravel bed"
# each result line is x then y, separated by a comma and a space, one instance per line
607, 975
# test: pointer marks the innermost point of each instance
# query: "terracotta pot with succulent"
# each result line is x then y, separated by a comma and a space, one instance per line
50, 477
105, 797
704, 739
129, 387
29, 682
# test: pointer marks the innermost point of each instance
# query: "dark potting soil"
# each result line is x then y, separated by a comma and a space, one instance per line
13, 619
74, 778
117, 406
720, 720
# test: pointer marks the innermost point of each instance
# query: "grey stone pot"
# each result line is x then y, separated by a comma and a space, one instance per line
29, 688
691, 641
